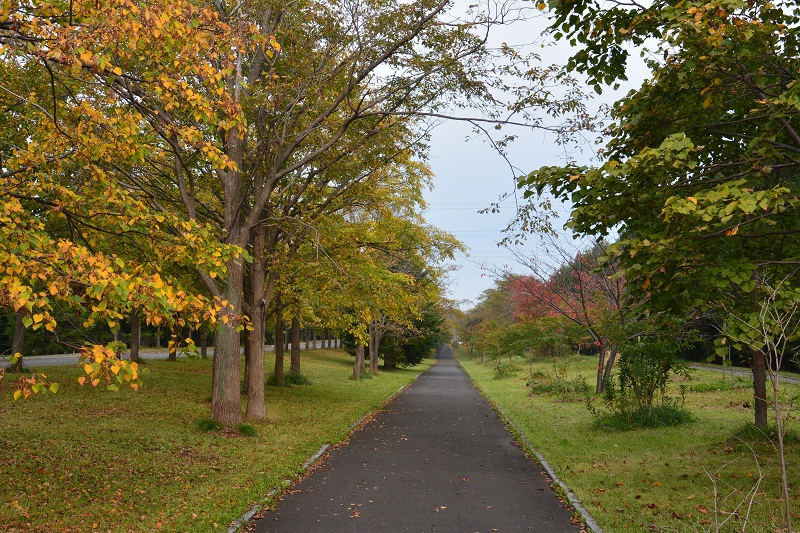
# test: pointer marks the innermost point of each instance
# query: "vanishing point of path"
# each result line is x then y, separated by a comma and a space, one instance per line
437, 459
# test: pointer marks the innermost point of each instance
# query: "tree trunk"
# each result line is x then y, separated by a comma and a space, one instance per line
203, 343
374, 344
612, 357
256, 407
306, 337
173, 344
760, 388
389, 362
136, 334
314, 338
600, 385
18, 343
158, 336
358, 364
279, 344
226, 399
295, 365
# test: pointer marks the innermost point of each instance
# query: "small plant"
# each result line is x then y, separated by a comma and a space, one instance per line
504, 370
206, 424
296, 379
559, 386
636, 396
247, 430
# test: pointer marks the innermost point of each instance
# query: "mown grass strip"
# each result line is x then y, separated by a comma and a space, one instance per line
94, 460
652, 479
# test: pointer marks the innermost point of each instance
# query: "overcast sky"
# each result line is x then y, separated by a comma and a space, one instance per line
471, 175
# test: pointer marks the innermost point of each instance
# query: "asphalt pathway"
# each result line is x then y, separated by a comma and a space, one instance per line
437, 459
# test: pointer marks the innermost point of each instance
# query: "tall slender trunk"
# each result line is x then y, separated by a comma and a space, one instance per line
158, 336
279, 343
246, 347
306, 335
358, 364
314, 338
760, 388
374, 344
173, 344
295, 365
136, 334
18, 342
256, 407
204, 343
600, 385
226, 399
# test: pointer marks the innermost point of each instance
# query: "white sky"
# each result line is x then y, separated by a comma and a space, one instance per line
471, 175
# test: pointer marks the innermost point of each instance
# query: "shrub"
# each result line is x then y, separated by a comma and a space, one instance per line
206, 424
636, 396
247, 430
295, 379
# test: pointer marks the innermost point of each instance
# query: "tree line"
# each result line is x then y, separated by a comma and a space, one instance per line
210, 167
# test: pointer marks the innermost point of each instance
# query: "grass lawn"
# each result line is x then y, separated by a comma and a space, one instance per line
654, 479
95, 460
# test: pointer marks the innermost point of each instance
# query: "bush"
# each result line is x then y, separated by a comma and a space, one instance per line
246, 430
636, 396
504, 370
206, 424
295, 379
644, 369
655, 417
557, 383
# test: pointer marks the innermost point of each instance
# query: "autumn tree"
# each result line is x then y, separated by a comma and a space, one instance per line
572, 284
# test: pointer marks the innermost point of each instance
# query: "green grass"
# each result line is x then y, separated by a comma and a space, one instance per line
94, 460
652, 479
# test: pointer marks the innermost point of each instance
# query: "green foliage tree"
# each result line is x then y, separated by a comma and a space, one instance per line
700, 176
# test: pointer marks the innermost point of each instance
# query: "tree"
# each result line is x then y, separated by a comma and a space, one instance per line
70, 160
701, 173
574, 285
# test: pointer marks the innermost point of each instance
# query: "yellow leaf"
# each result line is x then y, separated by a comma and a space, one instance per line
692, 199
95, 382
99, 357
115, 369
135, 386
38, 318
17, 394
117, 71
646, 284
81, 380
88, 368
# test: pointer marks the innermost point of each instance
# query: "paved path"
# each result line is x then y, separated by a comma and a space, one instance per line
738, 371
437, 459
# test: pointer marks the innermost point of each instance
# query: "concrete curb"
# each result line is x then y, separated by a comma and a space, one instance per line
574, 501
240, 522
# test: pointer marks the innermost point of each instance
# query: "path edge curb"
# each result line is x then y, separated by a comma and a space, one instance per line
520, 437
278, 489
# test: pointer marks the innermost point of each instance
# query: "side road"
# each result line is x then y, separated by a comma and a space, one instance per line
437, 459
